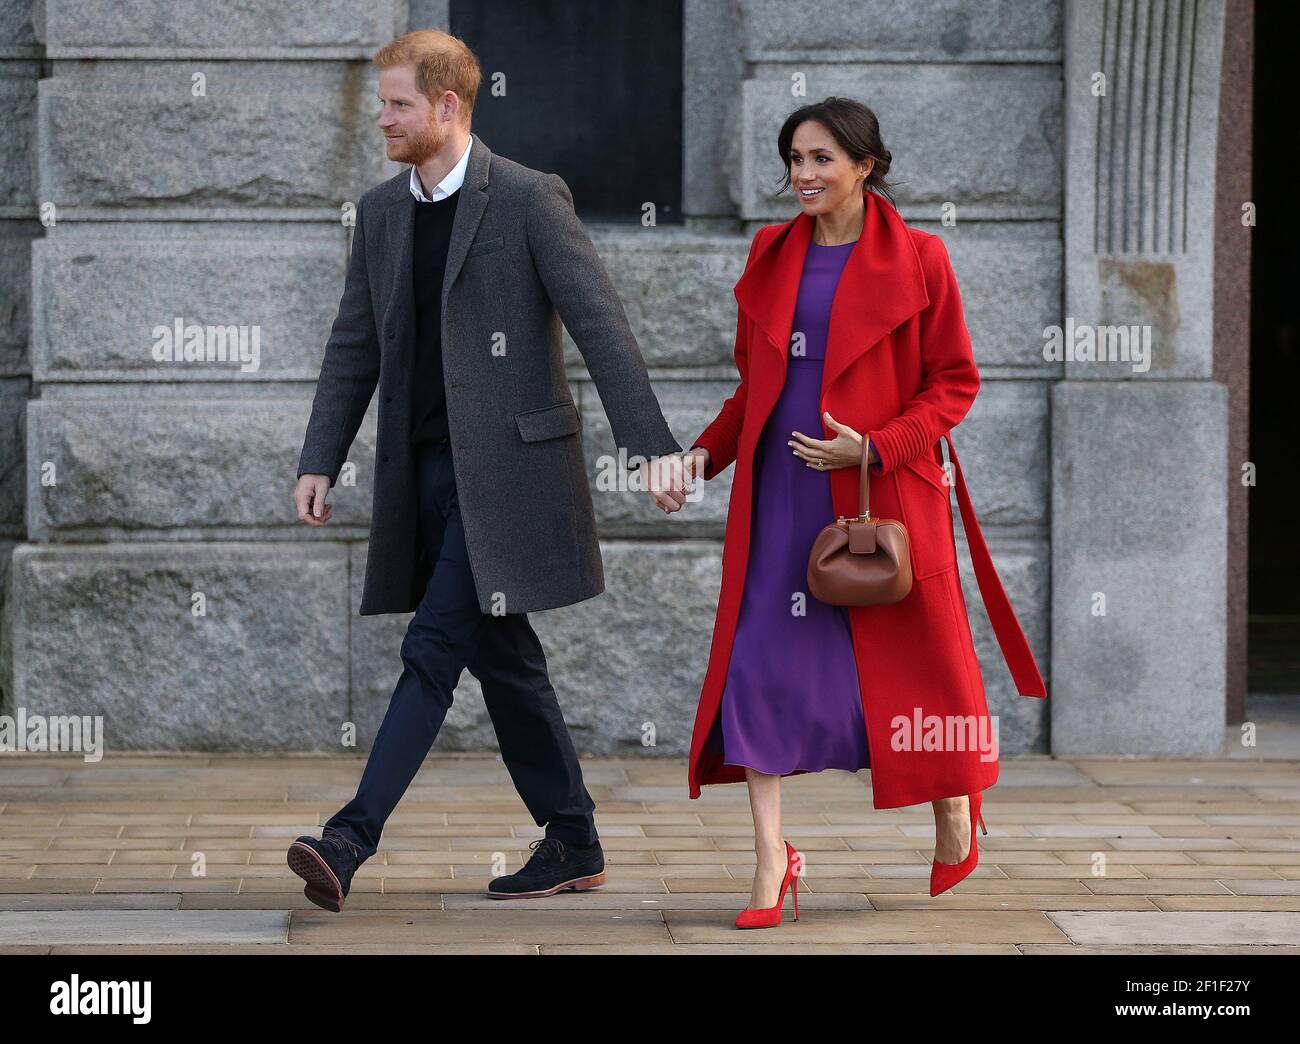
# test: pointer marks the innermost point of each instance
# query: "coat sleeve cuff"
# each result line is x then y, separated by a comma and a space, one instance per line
716, 464
880, 443
311, 467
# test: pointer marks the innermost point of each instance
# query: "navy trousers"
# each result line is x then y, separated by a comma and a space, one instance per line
447, 634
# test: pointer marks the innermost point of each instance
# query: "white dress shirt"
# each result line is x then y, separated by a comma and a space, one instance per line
454, 179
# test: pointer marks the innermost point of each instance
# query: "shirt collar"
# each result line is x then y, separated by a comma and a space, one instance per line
454, 179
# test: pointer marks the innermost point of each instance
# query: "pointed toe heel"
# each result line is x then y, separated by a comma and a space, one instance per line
944, 875
770, 916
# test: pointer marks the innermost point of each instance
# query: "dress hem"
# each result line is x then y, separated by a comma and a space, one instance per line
791, 771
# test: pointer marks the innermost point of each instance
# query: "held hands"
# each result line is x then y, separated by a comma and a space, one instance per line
843, 451
309, 498
670, 479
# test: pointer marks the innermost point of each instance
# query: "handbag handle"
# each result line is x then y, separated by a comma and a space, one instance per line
864, 485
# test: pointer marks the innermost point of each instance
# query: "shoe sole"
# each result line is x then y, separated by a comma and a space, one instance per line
577, 884
323, 887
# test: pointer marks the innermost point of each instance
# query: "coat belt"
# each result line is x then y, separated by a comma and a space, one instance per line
1010, 635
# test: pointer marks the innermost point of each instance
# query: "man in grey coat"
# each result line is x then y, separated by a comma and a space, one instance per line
462, 269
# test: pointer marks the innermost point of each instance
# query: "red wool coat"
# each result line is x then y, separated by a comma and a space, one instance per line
899, 369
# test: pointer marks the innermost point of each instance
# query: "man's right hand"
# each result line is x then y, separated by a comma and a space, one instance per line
309, 497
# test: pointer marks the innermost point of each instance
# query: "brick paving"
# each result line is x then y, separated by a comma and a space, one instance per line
186, 853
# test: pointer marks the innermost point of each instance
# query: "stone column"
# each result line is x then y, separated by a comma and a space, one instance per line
1139, 510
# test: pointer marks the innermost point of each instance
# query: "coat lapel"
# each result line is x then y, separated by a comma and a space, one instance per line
469, 211
400, 221
400, 227
881, 287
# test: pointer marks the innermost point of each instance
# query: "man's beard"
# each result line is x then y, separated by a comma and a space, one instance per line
415, 149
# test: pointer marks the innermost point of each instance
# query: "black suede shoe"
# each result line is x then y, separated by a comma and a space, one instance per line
554, 866
327, 865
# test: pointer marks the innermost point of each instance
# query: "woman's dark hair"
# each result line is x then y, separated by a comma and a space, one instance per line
854, 128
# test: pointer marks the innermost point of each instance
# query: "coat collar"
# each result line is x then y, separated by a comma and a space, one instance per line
882, 285
400, 221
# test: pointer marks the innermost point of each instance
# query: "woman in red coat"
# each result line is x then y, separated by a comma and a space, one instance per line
849, 326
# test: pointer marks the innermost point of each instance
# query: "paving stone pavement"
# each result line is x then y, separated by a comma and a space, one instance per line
185, 853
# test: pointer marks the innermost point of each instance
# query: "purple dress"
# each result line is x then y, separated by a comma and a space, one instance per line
792, 699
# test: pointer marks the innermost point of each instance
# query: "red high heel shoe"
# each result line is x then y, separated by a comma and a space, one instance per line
944, 875
768, 917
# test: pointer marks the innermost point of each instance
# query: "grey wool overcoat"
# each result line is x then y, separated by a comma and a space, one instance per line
518, 265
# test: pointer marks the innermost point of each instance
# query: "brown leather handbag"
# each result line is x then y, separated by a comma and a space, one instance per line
863, 560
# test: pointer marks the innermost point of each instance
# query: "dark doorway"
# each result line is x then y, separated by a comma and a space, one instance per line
1274, 572
593, 93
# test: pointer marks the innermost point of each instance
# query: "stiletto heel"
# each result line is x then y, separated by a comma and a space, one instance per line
944, 875
770, 916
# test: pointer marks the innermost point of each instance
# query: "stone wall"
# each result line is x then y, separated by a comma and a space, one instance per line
144, 483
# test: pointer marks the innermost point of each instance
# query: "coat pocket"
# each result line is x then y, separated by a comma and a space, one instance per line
933, 473
486, 246
548, 422
927, 514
